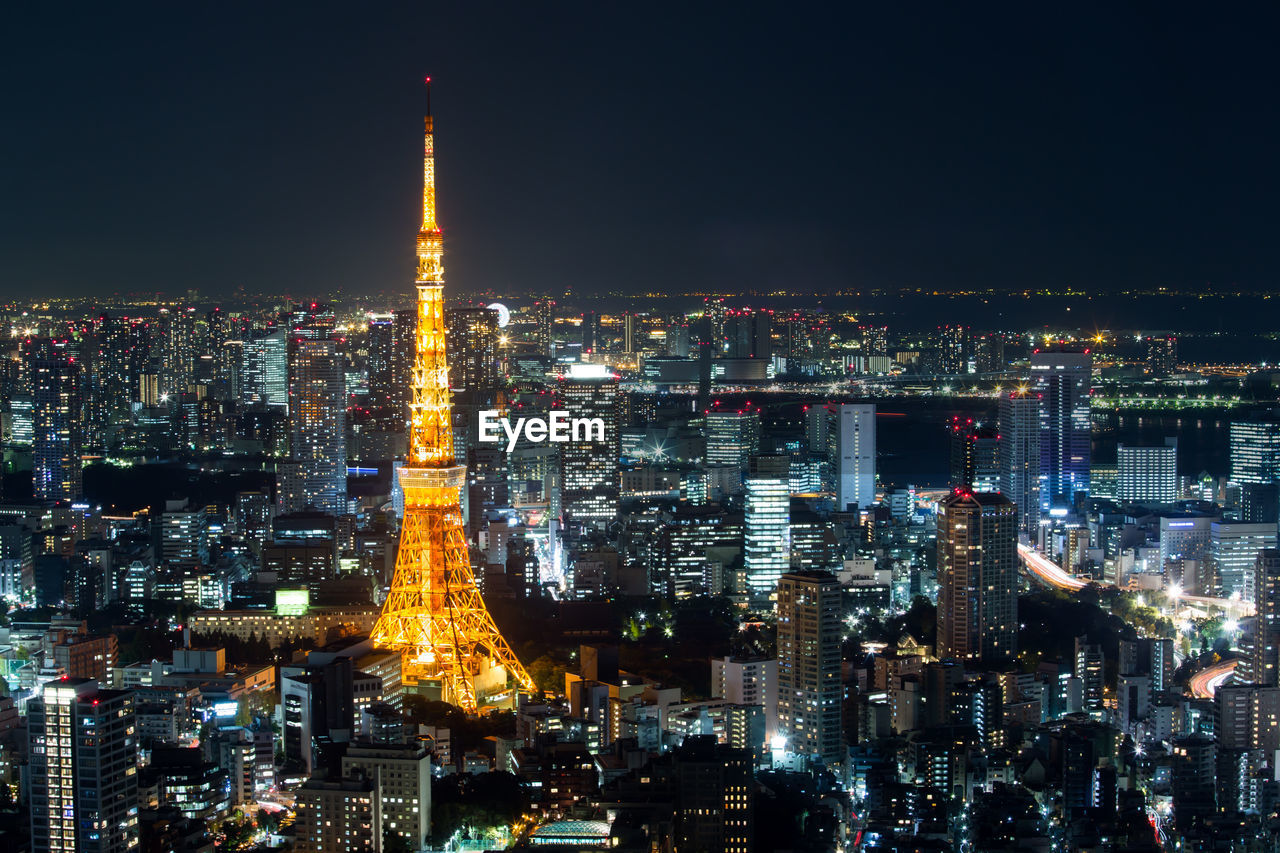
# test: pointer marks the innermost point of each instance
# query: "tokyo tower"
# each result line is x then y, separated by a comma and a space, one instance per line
434, 614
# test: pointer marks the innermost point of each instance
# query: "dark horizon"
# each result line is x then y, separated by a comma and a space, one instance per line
159, 148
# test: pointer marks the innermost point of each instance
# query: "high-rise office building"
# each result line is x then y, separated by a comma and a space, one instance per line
767, 524
630, 333
810, 694
748, 334
264, 374
1147, 474
975, 456
471, 332
1255, 450
977, 577
381, 359
1019, 433
852, 438
57, 421
589, 462
733, 436
83, 769
1266, 640
317, 419
1233, 552
1063, 381
544, 322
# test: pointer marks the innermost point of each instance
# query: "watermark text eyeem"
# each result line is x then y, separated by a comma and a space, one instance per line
559, 427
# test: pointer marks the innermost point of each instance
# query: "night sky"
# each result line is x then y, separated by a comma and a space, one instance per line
648, 147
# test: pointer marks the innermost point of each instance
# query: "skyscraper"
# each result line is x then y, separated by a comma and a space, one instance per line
379, 345
472, 332
748, 334
1147, 475
767, 523
264, 376
1063, 381
733, 436
1233, 552
810, 694
853, 454
544, 320
84, 756
1162, 354
57, 421
1266, 640
589, 479
318, 425
1255, 450
975, 457
977, 577
1020, 455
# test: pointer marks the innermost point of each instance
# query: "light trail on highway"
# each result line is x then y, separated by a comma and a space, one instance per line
1052, 574
1206, 682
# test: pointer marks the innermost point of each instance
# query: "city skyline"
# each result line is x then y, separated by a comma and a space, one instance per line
661, 570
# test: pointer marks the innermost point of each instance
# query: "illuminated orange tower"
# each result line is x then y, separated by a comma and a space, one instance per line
434, 614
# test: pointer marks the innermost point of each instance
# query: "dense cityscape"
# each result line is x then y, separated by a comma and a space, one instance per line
808, 562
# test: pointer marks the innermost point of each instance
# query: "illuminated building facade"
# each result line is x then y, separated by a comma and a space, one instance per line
1233, 549
852, 438
1266, 641
975, 458
1147, 475
57, 425
767, 522
810, 694
472, 341
977, 577
589, 478
434, 614
954, 349
1063, 380
318, 426
733, 437
380, 358
83, 770
1020, 455
264, 372
1162, 354
1255, 451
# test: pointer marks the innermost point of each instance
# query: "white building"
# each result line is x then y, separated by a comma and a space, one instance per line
1149, 474
767, 519
853, 454
1233, 551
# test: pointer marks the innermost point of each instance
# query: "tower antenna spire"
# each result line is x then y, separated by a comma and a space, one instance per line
428, 97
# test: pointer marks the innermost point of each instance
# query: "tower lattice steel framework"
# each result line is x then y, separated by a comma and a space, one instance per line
434, 614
